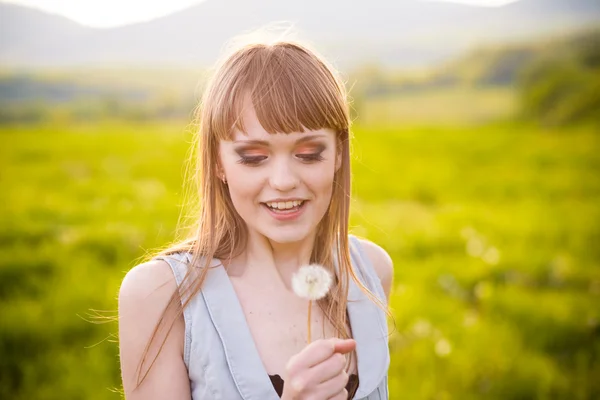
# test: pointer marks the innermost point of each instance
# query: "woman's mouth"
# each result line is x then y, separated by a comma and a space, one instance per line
285, 210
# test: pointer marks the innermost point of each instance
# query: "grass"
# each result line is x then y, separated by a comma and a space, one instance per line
493, 230
457, 106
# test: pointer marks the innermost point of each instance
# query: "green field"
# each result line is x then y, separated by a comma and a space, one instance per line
455, 107
494, 231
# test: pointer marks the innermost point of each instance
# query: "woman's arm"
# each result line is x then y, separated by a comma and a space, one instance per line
144, 294
382, 263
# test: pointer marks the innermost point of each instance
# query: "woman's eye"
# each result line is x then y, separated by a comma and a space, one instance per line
255, 160
310, 157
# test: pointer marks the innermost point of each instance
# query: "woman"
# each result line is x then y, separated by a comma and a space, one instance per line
214, 316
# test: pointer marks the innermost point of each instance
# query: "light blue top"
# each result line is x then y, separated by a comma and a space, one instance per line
221, 356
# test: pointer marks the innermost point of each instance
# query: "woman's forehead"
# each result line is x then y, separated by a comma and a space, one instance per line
250, 122
254, 131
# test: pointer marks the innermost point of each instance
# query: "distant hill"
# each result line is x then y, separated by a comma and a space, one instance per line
391, 32
500, 65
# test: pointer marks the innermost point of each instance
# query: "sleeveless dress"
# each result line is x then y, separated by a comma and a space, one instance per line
221, 356
351, 386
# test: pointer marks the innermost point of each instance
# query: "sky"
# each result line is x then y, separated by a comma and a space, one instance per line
111, 13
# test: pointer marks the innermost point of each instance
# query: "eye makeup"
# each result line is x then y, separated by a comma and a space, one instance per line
251, 160
312, 152
251, 154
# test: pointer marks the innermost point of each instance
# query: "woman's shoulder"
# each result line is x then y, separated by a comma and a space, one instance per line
143, 280
145, 293
380, 260
164, 271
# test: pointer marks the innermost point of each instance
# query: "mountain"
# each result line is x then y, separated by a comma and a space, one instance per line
393, 32
30, 36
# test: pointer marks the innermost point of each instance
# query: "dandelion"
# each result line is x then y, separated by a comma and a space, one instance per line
311, 282
491, 256
443, 347
422, 328
475, 246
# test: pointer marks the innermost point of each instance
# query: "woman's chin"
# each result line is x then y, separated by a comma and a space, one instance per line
286, 236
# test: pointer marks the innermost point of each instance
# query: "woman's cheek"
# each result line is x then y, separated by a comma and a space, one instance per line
322, 178
245, 185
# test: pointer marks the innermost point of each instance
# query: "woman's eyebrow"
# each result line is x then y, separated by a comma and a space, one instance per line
308, 138
304, 138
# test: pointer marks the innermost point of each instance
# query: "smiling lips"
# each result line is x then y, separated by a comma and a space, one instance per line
285, 210
284, 205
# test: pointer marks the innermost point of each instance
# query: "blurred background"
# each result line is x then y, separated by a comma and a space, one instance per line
476, 160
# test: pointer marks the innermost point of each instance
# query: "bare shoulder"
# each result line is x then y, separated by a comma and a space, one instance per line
148, 286
152, 279
382, 263
145, 293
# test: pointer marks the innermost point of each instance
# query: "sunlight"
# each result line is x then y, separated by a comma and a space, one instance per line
109, 13
112, 13
487, 3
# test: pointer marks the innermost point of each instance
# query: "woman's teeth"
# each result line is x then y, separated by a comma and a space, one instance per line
284, 205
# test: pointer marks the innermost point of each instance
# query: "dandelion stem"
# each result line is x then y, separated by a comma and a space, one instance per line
309, 309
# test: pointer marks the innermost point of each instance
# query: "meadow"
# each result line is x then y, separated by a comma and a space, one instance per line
493, 229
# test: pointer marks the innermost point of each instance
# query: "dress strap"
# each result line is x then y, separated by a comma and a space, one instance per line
179, 263
369, 324
367, 270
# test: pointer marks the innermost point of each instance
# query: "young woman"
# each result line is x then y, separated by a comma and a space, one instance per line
214, 317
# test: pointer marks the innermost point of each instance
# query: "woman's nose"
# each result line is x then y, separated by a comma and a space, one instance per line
283, 177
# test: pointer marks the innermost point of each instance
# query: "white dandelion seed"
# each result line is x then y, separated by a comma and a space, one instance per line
311, 282
491, 256
475, 246
422, 328
443, 347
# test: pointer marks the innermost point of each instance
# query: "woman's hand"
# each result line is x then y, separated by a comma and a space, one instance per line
318, 371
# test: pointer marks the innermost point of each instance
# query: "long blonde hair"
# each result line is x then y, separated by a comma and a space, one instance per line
291, 89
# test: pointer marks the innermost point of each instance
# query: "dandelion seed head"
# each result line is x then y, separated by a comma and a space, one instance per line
443, 347
475, 247
311, 282
422, 328
491, 256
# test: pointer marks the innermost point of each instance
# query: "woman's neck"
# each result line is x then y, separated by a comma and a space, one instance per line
263, 258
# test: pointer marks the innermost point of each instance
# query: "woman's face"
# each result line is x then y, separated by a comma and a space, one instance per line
280, 184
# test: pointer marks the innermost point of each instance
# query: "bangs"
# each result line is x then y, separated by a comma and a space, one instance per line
289, 88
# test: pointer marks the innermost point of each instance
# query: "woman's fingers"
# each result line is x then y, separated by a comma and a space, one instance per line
333, 386
320, 350
329, 368
318, 370
344, 346
343, 395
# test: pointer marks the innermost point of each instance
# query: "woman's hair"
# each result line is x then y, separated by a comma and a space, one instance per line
291, 89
